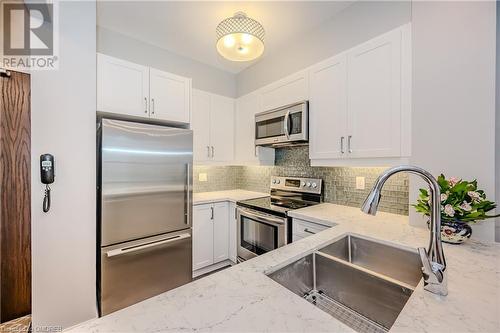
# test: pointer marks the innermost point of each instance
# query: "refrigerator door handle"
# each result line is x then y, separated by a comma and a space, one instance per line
123, 250
188, 194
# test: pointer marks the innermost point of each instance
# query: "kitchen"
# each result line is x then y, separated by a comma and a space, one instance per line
344, 111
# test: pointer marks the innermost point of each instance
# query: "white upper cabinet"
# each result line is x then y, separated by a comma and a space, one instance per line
328, 108
200, 125
374, 97
135, 90
245, 151
360, 105
292, 89
170, 96
222, 128
122, 87
213, 127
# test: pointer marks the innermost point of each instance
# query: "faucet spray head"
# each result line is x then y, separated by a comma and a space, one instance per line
370, 205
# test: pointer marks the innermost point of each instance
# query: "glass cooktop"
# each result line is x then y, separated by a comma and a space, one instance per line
276, 206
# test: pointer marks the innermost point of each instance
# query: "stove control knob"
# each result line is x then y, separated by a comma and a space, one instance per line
314, 185
308, 184
277, 181
274, 181
303, 184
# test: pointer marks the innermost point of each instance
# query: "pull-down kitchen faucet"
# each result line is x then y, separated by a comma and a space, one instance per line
433, 262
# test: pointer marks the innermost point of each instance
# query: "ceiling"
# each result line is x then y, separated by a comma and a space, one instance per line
188, 28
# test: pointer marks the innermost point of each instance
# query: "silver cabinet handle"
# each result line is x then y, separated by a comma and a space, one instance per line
208, 151
256, 153
212, 217
309, 231
152, 106
342, 145
188, 194
147, 245
213, 150
349, 144
286, 125
145, 105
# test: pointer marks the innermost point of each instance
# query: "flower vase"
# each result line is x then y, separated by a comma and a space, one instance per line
454, 232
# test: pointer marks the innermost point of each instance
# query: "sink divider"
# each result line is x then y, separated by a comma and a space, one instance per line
359, 268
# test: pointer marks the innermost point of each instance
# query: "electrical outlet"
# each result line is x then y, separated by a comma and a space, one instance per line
202, 177
360, 183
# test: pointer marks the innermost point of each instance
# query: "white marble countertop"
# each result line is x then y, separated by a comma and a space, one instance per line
243, 299
230, 195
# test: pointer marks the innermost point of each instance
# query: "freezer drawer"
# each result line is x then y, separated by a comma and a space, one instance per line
134, 271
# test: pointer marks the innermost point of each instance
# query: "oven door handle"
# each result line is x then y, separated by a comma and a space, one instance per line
261, 218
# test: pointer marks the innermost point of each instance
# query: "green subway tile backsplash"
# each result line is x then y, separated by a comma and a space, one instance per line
339, 182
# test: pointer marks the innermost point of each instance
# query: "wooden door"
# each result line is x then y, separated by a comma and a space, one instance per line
122, 87
15, 191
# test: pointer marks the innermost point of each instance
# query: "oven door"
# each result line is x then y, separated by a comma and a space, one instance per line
259, 233
283, 125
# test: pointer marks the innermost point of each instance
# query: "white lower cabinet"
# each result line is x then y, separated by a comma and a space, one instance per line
221, 231
233, 232
210, 234
302, 229
203, 236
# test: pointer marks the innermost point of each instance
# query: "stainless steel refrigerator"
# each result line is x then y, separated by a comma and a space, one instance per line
144, 211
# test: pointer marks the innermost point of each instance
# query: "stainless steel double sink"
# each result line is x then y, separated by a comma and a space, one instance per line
363, 283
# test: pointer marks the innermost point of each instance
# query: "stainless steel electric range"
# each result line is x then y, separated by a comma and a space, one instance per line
264, 224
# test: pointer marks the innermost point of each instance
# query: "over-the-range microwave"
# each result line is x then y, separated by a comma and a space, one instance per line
283, 126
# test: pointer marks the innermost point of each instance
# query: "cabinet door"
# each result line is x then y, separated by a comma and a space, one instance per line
170, 96
328, 108
200, 125
203, 236
291, 89
374, 97
232, 232
245, 151
222, 128
122, 87
221, 231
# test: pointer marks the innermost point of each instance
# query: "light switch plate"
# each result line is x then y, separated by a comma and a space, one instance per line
202, 177
360, 183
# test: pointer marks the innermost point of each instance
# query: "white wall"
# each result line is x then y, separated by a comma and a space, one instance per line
454, 95
356, 24
497, 122
63, 123
204, 77
497, 132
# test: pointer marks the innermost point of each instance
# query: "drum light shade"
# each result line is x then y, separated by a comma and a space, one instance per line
240, 38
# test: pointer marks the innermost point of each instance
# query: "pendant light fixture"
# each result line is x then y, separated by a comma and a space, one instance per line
240, 38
